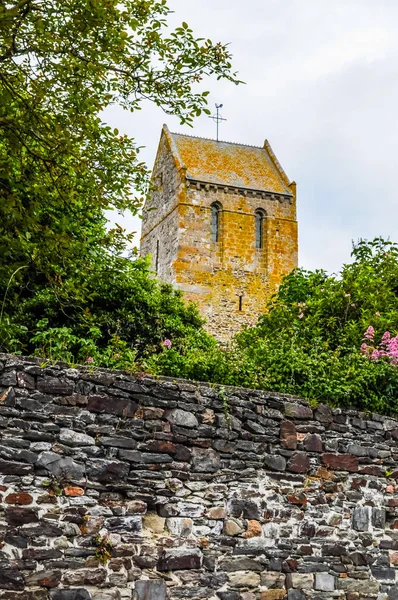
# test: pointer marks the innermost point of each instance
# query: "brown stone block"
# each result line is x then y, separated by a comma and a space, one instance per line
74, 491
300, 498
254, 529
299, 463
288, 435
325, 473
341, 462
273, 594
21, 498
313, 443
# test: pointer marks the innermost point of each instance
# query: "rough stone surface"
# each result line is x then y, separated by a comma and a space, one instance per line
267, 500
75, 594
205, 460
60, 466
341, 462
360, 518
244, 579
324, 582
288, 435
299, 463
75, 438
182, 418
151, 590
298, 411
11, 579
177, 227
177, 559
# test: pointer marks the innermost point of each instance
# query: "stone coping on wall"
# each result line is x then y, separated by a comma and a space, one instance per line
115, 487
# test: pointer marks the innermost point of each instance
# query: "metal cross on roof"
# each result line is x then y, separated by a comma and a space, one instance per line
217, 117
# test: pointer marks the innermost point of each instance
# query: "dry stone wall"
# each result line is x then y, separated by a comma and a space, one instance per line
114, 487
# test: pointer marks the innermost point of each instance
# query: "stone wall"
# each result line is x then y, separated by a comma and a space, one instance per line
114, 487
215, 275
160, 221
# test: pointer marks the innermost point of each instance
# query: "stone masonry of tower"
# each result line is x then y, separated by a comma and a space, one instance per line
230, 278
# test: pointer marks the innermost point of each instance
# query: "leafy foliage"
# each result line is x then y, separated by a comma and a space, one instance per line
63, 63
309, 341
113, 313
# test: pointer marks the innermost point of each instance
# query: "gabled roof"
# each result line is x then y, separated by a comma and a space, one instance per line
229, 164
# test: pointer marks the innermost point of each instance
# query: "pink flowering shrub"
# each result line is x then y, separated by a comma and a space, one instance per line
387, 349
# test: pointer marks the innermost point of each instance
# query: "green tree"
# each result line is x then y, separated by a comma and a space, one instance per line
337, 310
113, 313
309, 341
62, 63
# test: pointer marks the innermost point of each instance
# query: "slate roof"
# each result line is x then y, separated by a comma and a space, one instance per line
229, 164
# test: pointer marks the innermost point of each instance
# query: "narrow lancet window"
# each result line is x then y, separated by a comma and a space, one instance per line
215, 221
259, 217
157, 257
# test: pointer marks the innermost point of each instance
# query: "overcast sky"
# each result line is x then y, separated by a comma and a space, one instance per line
322, 86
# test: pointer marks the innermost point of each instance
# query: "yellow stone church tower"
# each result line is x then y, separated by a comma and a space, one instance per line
220, 225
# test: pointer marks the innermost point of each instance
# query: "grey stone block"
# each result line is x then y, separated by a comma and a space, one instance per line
379, 518
150, 590
60, 465
295, 594
74, 594
324, 582
360, 518
205, 460
182, 418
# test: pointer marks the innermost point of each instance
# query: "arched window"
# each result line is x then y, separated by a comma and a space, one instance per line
259, 218
215, 221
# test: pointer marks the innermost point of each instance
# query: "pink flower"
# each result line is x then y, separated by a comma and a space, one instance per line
167, 344
377, 314
369, 333
347, 295
388, 348
385, 340
89, 360
301, 315
375, 355
353, 304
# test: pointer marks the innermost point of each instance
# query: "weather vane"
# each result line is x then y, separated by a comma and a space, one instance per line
217, 117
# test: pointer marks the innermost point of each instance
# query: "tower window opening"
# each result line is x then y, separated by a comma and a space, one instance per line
157, 257
240, 302
215, 221
259, 222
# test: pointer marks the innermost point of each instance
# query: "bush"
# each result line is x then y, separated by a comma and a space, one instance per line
309, 341
112, 309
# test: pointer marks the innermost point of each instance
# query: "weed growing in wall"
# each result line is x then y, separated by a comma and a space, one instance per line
104, 549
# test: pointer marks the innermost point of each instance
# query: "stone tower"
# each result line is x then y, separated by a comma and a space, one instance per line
220, 225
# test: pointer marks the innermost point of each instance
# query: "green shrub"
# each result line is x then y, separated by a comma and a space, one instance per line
309, 341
